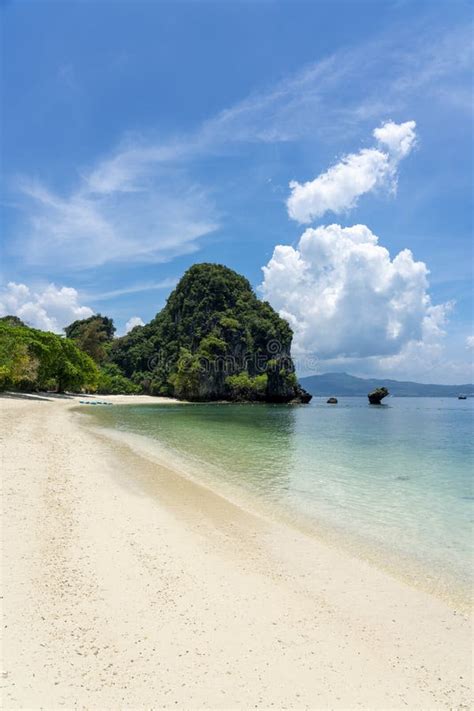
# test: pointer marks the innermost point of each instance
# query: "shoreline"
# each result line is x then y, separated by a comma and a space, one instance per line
408, 570
145, 580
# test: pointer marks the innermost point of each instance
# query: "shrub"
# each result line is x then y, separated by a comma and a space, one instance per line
112, 382
244, 387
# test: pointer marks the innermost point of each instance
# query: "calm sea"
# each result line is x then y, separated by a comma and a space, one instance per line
392, 482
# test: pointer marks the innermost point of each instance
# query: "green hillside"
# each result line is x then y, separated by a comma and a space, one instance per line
213, 340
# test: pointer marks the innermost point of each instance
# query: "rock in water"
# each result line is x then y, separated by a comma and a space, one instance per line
377, 395
332, 401
302, 395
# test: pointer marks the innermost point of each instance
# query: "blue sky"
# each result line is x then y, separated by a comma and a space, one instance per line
142, 137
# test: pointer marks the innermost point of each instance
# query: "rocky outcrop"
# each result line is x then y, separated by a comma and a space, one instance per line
302, 395
332, 401
377, 395
214, 340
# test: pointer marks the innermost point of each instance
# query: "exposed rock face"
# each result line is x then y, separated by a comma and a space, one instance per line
302, 395
377, 395
214, 340
332, 401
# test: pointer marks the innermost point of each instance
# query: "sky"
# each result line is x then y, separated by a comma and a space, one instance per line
322, 149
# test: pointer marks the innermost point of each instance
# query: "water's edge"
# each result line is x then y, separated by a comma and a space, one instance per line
409, 568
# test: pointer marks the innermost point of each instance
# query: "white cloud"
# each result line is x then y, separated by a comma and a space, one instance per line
339, 188
399, 138
345, 297
136, 204
365, 82
470, 343
168, 283
114, 219
49, 308
339, 94
424, 358
132, 322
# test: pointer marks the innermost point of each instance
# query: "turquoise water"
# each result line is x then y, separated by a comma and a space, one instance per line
395, 480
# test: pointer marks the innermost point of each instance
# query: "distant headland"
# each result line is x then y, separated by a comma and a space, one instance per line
345, 385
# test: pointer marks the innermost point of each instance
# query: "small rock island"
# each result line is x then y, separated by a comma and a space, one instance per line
377, 395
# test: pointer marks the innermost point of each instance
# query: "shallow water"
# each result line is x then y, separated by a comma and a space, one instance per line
395, 479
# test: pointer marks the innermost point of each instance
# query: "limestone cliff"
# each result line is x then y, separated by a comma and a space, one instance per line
213, 340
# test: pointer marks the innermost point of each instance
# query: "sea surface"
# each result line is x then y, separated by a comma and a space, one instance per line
393, 483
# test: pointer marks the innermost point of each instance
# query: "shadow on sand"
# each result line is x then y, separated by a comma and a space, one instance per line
45, 397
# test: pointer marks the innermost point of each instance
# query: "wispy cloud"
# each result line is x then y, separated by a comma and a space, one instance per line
134, 289
362, 84
140, 203
88, 228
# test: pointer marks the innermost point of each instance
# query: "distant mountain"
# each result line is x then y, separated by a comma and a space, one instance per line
343, 384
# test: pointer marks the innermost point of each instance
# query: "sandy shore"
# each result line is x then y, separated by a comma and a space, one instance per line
127, 586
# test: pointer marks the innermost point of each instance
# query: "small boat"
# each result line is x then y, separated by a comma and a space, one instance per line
462, 397
95, 402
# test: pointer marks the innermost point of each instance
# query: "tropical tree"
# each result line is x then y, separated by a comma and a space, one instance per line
33, 360
92, 335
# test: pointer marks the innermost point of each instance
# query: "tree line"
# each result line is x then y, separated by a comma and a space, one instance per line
33, 360
212, 317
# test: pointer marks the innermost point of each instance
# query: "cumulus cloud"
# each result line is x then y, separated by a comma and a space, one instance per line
345, 297
132, 322
49, 308
399, 138
424, 358
339, 188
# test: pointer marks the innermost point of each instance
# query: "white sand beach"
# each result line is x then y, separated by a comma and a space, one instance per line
127, 586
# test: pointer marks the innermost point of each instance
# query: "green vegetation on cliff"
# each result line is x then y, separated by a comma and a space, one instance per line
213, 340
92, 335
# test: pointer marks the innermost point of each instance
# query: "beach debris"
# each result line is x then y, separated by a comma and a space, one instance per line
377, 395
332, 401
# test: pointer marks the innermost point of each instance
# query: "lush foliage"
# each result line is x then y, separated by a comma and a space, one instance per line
244, 387
35, 360
92, 335
185, 379
12, 321
212, 329
213, 340
112, 382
